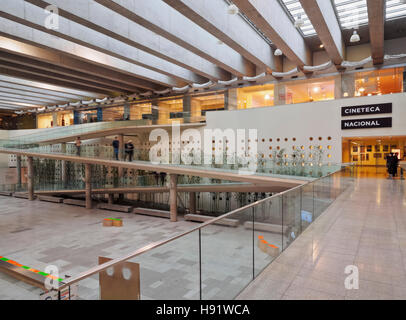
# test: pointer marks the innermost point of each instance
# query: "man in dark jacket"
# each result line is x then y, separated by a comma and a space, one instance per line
129, 150
116, 147
395, 163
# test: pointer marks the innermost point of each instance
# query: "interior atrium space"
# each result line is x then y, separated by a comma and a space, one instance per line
174, 151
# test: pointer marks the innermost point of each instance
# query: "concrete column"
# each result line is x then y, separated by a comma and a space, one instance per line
18, 168
187, 108
173, 197
348, 85
111, 198
338, 91
192, 202
88, 185
279, 94
231, 100
30, 178
55, 119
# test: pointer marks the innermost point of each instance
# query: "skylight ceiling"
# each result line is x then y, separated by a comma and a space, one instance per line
351, 13
295, 9
395, 9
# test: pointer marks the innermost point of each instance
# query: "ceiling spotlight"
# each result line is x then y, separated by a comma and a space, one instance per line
321, 46
355, 37
278, 52
233, 9
299, 22
220, 42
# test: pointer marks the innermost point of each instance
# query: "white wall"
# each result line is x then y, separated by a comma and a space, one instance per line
302, 121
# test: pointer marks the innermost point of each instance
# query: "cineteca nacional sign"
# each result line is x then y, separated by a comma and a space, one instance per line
366, 109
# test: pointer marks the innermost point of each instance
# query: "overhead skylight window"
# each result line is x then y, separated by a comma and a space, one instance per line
395, 9
296, 12
351, 13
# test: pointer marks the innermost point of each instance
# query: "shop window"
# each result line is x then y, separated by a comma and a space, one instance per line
309, 91
109, 114
45, 121
170, 110
201, 104
137, 110
378, 82
255, 96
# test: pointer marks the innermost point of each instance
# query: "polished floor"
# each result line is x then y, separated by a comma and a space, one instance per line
366, 228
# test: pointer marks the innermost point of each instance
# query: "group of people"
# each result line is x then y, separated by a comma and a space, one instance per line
392, 162
128, 149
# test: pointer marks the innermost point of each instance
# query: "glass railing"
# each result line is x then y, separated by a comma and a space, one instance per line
303, 169
219, 258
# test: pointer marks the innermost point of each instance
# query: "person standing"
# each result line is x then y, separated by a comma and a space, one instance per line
116, 147
395, 163
78, 144
129, 150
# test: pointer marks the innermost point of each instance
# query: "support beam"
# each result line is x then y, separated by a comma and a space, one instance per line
30, 95
173, 197
88, 185
192, 202
47, 89
376, 17
94, 17
233, 30
273, 21
160, 18
324, 20
30, 178
12, 72
62, 77
62, 71
36, 100
18, 167
20, 32
33, 16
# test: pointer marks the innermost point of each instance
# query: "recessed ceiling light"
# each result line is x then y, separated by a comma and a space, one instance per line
321, 46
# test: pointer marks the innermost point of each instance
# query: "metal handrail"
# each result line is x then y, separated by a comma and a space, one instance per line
154, 245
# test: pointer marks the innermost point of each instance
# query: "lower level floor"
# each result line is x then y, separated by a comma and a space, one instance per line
362, 235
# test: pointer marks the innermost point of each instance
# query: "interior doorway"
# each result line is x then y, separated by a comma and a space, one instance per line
372, 151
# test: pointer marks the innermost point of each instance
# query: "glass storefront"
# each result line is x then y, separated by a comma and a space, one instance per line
113, 114
65, 118
371, 83
309, 90
203, 103
45, 121
255, 96
140, 111
169, 111
193, 108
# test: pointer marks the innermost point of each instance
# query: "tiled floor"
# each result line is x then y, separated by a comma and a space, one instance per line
38, 234
365, 227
